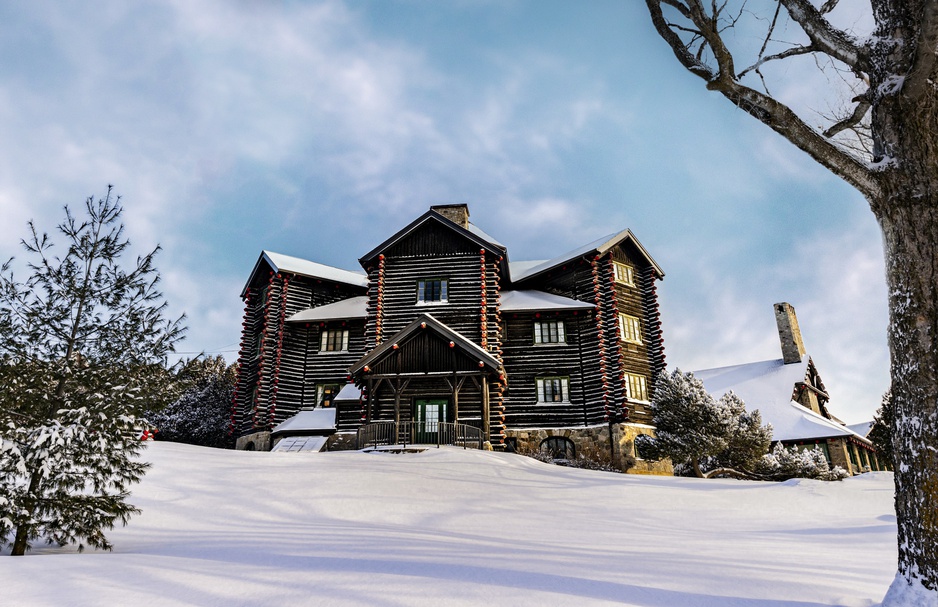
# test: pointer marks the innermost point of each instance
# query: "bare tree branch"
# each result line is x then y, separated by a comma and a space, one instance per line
825, 37
683, 54
862, 107
774, 114
781, 119
924, 63
792, 52
828, 6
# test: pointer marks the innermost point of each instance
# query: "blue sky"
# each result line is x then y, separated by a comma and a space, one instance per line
317, 129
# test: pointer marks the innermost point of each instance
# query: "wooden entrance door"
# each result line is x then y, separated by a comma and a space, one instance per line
428, 413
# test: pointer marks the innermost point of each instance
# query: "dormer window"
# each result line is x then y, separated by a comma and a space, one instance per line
624, 274
433, 290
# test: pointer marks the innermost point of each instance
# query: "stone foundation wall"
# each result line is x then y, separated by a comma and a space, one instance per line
257, 441
341, 441
593, 442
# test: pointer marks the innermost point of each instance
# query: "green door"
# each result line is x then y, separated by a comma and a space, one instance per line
428, 413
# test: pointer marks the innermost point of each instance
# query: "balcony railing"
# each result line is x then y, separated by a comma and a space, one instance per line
388, 434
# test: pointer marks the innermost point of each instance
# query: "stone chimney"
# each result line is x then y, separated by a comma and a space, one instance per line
789, 333
457, 213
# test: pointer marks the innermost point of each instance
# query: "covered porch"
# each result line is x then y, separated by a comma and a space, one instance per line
428, 380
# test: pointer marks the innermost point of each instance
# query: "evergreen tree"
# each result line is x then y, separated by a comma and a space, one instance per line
711, 437
201, 414
83, 343
784, 463
881, 432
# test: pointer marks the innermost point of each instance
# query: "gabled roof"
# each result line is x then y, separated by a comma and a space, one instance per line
353, 307
600, 246
768, 386
538, 301
426, 322
861, 429
474, 234
294, 265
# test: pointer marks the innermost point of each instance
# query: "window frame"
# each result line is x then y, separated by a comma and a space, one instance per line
561, 333
324, 341
540, 385
630, 329
321, 393
623, 273
633, 380
558, 448
422, 288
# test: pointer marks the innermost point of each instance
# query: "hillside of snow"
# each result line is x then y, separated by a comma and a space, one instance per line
454, 527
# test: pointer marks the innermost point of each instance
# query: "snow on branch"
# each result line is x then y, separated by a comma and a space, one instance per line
825, 37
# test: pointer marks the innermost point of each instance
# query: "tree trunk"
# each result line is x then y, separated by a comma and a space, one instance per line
909, 222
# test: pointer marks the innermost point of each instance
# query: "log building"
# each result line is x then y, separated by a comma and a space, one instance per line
441, 326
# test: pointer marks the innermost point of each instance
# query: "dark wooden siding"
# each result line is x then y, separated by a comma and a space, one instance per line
526, 361
272, 382
473, 285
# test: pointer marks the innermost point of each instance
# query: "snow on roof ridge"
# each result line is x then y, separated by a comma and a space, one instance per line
599, 244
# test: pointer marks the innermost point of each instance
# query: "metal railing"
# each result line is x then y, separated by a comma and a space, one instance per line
387, 434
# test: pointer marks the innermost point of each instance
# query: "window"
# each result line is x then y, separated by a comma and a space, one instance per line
432, 291
630, 329
550, 332
553, 389
624, 275
325, 393
635, 384
333, 340
558, 447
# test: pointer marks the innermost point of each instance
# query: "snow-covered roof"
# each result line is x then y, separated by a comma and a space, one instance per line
474, 229
520, 268
294, 265
602, 245
308, 420
348, 392
353, 307
768, 386
292, 444
520, 301
861, 429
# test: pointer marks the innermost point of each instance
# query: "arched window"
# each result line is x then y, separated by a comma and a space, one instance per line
249, 446
558, 447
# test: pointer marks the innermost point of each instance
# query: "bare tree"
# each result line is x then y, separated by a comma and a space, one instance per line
884, 144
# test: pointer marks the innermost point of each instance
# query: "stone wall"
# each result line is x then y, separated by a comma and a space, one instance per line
593, 442
341, 441
257, 441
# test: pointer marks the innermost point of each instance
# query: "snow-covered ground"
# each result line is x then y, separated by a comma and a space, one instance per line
453, 527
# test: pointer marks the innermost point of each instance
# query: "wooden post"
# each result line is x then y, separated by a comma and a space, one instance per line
371, 396
486, 418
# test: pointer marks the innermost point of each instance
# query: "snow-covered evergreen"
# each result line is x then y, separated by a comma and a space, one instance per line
784, 463
200, 416
83, 343
702, 435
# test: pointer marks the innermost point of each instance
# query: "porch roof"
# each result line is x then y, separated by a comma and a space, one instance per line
426, 322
